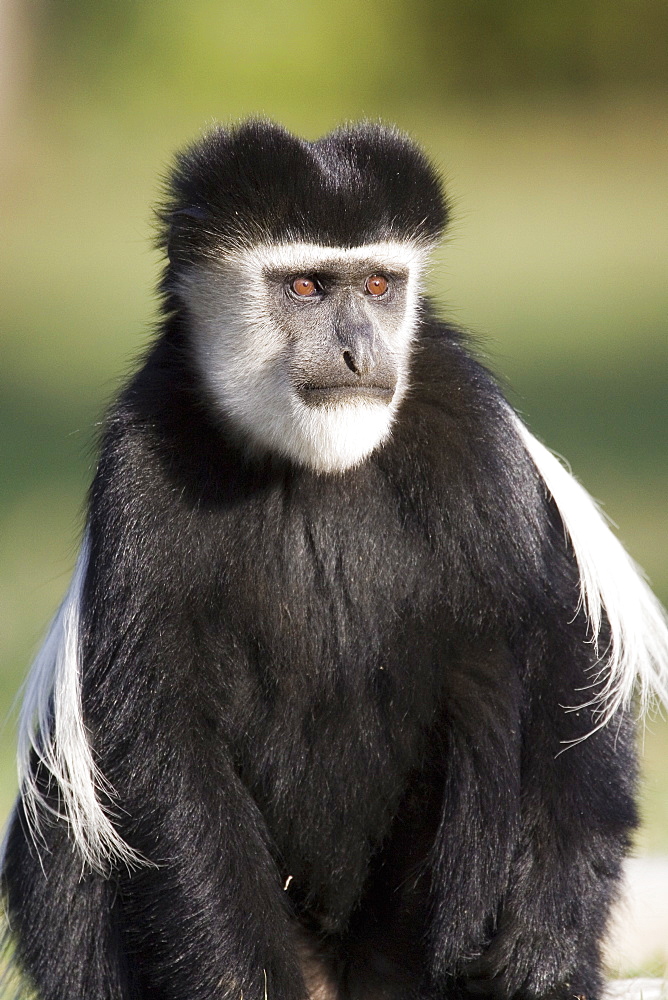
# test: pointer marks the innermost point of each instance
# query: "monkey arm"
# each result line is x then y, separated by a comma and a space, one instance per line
478, 829
207, 916
576, 817
210, 920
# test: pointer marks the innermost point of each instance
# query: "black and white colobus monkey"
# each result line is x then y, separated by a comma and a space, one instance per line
298, 727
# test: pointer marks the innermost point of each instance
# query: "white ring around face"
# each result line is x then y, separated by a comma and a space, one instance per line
241, 353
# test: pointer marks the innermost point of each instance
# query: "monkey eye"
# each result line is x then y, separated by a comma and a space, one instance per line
305, 288
376, 285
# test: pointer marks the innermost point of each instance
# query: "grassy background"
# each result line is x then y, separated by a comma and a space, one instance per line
555, 157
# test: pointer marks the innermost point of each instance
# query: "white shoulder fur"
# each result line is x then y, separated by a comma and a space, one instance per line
611, 584
51, 725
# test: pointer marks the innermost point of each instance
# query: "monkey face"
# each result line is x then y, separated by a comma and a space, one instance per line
304, 349
297, 267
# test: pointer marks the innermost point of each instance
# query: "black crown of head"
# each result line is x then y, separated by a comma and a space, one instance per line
259, 183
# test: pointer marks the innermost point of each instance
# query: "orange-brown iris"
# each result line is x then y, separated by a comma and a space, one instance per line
376, 284
304, 287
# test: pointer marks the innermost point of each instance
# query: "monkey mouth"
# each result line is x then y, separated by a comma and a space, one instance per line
321, 395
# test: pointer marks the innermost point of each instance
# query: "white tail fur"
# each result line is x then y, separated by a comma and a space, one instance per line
51, 725
610, 584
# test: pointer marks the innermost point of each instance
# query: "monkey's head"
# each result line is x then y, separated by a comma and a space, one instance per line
297, 266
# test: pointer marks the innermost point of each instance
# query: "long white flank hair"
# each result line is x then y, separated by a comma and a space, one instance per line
635, 659
52, 726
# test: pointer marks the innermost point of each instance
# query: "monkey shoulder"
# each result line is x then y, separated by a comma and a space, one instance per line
457, 434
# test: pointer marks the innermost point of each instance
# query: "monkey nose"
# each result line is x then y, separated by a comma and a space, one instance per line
360, 362
359, 354
351, 362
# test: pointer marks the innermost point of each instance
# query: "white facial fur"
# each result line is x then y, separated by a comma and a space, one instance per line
242, 353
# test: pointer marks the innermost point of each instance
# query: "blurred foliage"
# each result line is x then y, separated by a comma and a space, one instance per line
551, 127
468, 48
580, 47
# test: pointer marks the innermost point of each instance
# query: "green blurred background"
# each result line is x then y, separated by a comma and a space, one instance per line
549, 122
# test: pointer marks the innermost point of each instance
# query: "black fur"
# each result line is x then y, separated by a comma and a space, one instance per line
348, 685
357, 185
